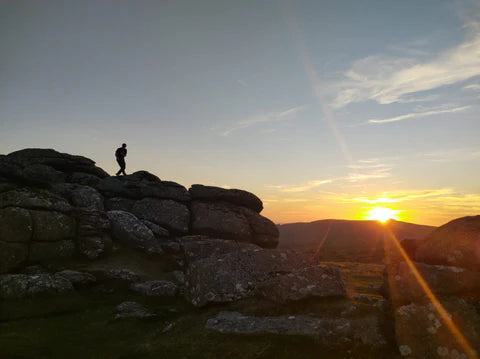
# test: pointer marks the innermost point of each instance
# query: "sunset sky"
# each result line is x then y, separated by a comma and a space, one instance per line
324, 109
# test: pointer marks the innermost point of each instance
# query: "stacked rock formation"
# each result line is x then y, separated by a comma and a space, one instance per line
55, 205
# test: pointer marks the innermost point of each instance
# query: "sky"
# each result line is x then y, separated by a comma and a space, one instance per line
323, 109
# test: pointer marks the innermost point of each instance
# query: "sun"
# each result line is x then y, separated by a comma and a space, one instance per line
382, 214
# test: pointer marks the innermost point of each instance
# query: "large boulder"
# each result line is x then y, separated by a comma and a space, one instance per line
78, 279
34, 199
311, 282
265, 232
60, 161
422, 332
220, 220
80, 196
52, 226
405, 285
12, 255
167, 213
91, 222
364, 331
119, 204
237, 274
41, 251
130, 230
235, 196
142, 184
15, 225
456, 243
24, 285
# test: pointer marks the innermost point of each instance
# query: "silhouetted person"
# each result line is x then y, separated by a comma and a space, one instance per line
120, 154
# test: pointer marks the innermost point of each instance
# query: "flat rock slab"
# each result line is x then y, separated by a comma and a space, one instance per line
236, 275
325, 330
132, 310
156, 288
24, 285
315, 281
167, 213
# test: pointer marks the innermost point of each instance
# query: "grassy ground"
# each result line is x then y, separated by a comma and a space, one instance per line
82, 326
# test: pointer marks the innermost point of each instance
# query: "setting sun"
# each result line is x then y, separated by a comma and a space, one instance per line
382, 214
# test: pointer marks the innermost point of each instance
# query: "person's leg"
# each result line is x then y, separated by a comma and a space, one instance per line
120, 164
122, 167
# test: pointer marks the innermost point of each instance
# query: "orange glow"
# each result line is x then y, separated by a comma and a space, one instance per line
382, 214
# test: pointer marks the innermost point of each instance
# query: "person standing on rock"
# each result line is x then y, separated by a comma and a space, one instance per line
120, 154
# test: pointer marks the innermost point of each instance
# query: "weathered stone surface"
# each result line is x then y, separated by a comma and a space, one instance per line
34, 199
172, 215
365, 331
15, 225
156, 229
200, 247
42, 174
314, 281
60, 161
156, 288
80, 196
442, 280
12, 255
23, 285
132, 310
456, 243
237, 275
130, 230
40, 251
119, 204
235, 196
52, 226
220, 220
265, 232
421, 332
140, 185
94, 247
92, 222
123, 275
78, 279
84, 179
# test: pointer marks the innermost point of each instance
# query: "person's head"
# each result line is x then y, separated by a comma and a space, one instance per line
124, 145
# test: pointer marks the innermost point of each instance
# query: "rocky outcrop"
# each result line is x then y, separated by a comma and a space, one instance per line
132, 310
23, 285
456, 243
363, 331
224, 273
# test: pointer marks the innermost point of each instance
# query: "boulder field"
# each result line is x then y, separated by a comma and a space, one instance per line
210, 260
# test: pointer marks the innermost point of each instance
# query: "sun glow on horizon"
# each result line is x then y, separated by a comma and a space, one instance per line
382, 214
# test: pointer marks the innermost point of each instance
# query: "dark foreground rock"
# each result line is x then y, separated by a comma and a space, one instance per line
132, 310
156, 288
24, 285
364, 331
456, 243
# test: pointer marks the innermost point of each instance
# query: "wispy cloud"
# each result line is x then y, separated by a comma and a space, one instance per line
367, 169
418, 115
302, 188
286, 115
399, 196
473, 87
387, 79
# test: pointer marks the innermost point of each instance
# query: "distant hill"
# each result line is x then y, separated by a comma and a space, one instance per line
346, 240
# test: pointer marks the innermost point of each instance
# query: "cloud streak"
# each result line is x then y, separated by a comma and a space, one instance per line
286, 115
417, 115
388, 79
